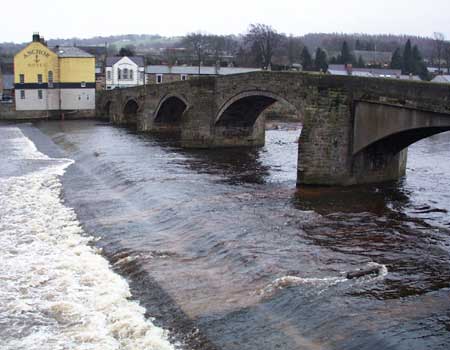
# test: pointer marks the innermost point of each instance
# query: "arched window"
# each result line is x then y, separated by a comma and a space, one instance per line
50, 77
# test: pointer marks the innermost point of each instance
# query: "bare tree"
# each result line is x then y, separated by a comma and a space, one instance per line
198, 44
439, 46
265, 40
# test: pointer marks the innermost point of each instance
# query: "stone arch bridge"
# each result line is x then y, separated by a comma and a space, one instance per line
356, 130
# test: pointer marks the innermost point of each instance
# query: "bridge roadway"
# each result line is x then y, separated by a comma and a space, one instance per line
355, 130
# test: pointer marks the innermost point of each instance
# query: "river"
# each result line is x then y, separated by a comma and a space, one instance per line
116, 240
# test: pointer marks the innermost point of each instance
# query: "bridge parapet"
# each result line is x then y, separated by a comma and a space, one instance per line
343, 118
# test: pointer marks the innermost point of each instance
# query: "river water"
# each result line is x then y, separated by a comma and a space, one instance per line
116, 240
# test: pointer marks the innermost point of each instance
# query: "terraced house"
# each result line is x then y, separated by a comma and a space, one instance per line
54, 79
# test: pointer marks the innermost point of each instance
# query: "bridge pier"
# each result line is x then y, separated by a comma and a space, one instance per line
356, 130
241, 136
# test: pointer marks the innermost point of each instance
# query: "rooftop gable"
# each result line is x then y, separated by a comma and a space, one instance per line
112, 60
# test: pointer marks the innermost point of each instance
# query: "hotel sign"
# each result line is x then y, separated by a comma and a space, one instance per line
37, 55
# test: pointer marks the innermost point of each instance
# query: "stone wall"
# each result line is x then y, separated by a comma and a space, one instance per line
326, 103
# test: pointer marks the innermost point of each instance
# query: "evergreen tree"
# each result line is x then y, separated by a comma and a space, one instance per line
408, 59
346, 55
360, 63
320, 63
306, 59
419, 67
397, 60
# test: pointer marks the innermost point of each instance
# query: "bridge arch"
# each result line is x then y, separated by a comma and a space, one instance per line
394, 128
243, 109
382, 134
130, 112
171, 109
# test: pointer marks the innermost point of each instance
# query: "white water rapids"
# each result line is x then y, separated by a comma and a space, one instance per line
56, 291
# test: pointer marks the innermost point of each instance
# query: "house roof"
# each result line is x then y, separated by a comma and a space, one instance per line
373, 71
442, 79
193, 70
94, 50
111, 60
70, 51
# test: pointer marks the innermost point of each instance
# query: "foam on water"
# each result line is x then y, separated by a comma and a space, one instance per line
320, 284
56, 291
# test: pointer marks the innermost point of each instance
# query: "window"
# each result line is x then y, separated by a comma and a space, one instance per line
108, 75
159, 78
131, 74
40, 94
39, 78
22, 94
83, 84
125, 74
183, 77
119, 73
22, 78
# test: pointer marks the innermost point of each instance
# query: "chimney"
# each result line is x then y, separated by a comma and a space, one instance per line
36, 37
349, 68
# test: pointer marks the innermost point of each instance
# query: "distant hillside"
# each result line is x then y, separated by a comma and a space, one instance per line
142, 42
332, 42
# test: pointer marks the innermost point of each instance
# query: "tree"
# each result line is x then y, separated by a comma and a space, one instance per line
360, 63
306, 59
397, 60
346, 55
419, 66
439, 47
197, 43
128, 50
321, 60
408, 59
294, 49
264, 40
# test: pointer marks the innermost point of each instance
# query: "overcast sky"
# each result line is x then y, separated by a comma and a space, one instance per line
87, 18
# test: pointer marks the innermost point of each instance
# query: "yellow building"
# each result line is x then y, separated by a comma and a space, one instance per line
61, 78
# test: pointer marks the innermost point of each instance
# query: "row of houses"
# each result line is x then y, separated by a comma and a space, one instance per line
66, 78
123, 72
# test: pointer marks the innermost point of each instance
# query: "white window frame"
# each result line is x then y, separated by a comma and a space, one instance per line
83, 84
159, 78
22, 94
22, 78
108, 75
184, 77
40, 94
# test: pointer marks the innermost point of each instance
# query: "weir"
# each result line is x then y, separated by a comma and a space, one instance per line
356, 130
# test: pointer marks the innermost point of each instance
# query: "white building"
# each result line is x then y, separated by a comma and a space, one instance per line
122, 72
443, 79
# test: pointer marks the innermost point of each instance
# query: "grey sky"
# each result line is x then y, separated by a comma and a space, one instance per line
87, 18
